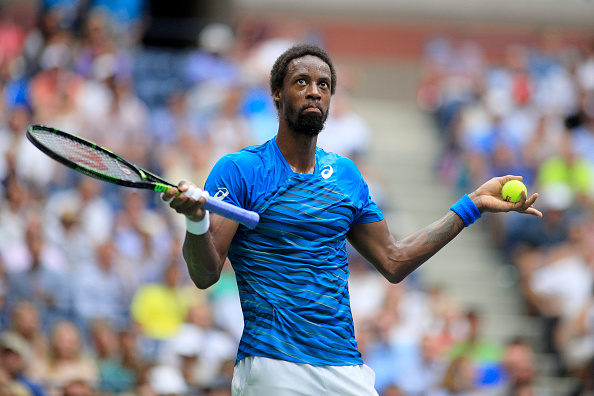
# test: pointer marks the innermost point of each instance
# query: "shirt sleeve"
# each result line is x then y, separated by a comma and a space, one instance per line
228, 181
367, 210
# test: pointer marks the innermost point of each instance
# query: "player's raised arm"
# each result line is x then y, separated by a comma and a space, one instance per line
208, 236
396, 259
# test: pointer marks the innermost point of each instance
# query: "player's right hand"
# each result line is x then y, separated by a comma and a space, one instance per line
186, 199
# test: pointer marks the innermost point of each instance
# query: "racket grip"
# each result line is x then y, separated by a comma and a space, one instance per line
245, 217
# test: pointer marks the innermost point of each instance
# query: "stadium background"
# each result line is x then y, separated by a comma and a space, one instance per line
435, 97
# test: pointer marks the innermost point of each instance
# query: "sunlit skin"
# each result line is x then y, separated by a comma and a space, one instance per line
306, 93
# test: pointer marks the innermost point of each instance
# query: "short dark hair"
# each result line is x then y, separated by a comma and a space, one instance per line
279, 70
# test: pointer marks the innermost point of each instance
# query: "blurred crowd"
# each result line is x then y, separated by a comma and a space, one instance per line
95, 296
528, 111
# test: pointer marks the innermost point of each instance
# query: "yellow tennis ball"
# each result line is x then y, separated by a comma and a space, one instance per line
512, 190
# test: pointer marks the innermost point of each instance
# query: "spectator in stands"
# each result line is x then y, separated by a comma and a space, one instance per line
25, 324
99, 41
98, 291
583, 132
175, 126
67, 235
570, 170
394, 349
39, 283
89, 202
28, 240
116, 374
13, 35
15, 357
123, 123
449, 323
56, 90
200, 348
423, 375
127, 18
227, 128
27, 162
67, 360
167, 380
484, 355
564, 280
574, 339
212, 63
12, 120
557, 283
13, 388
13, 217
142, 241
46, 27
78, 387
159, 309
459, 379
519, 369
393, 390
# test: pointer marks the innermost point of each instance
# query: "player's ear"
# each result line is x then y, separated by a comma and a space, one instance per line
277, 95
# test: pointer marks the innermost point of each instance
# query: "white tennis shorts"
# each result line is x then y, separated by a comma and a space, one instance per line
259, 376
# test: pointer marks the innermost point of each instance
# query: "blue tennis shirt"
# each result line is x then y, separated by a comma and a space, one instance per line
292, 269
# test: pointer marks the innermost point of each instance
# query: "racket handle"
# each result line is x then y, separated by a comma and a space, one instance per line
245, 217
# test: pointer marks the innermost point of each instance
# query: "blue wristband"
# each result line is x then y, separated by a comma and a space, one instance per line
467, 210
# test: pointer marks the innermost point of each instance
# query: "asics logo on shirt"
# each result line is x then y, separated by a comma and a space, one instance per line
221, 194
327, 171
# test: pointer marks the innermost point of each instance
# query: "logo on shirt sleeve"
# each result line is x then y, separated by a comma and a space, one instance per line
221, 194
327, 171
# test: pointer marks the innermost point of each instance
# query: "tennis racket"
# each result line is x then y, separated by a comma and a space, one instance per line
95, 161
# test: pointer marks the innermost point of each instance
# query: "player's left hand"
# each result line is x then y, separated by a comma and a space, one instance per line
488, 198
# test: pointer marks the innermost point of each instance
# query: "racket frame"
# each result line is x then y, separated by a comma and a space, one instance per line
149, 180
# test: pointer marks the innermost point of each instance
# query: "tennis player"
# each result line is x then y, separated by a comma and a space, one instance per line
292, 269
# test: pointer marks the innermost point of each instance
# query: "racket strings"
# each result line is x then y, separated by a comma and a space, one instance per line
90, 160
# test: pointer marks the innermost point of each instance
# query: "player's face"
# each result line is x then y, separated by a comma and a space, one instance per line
305, 97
